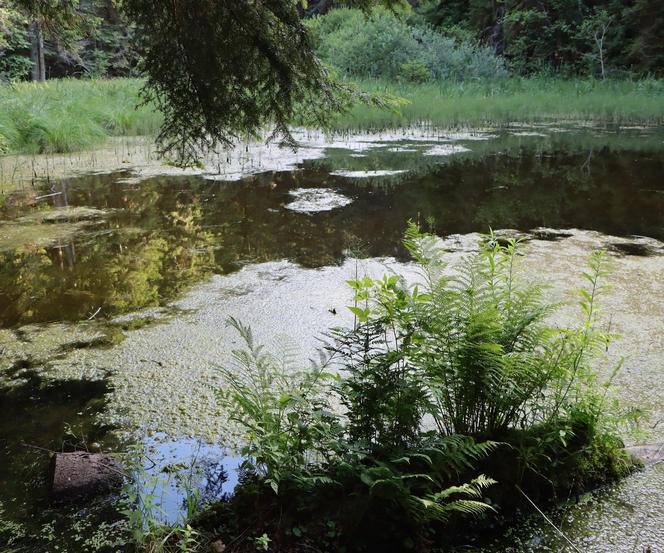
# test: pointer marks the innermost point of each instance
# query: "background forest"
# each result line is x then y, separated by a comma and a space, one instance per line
621, 38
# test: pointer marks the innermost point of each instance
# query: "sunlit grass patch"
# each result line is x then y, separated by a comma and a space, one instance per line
481, 103
69, 115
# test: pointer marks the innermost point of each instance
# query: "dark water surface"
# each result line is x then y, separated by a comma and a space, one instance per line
155, 238
163, 234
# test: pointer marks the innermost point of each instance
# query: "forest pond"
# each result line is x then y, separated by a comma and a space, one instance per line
114, 292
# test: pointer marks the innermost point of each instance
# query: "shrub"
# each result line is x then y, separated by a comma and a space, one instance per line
430, 377
305, 467
476, 342
414, 72
385, 46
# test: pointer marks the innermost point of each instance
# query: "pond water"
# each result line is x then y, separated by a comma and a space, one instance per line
114, 290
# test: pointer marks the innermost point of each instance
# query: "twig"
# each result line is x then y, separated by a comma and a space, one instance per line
560, 532
38, 448
47, 195
94, 314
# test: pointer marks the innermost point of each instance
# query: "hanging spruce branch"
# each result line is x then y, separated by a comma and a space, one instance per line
222, 70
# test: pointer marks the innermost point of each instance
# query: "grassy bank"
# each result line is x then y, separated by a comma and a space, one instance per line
71, 115
513, 100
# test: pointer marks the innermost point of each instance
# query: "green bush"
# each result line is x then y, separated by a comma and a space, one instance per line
383, 45
435, 385
414, 72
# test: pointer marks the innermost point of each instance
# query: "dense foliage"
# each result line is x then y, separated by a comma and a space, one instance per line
452, 380
382, 46
78, 38
560, 35
223, 70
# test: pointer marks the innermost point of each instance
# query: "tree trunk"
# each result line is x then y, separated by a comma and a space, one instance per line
497, 36
37, 52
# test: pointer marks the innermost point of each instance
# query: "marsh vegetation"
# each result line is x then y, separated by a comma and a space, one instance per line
145, 310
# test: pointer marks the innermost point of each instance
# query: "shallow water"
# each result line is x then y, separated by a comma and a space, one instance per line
154, 238
185, 252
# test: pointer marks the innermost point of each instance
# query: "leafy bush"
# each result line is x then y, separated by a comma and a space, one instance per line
385, 46
288, 425
414, 72
433, 379
305, 467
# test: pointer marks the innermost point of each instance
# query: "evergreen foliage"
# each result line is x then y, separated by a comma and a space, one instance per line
553, 36
221, 70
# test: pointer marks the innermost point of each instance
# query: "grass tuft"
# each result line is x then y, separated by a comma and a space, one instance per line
62, 116
523, 100
69, 115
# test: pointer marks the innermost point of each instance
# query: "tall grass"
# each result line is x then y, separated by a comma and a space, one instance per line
70, 115
63, 116
477, 103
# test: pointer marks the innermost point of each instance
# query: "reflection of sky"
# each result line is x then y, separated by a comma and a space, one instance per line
195, 465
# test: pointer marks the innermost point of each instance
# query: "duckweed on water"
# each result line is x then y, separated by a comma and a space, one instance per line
161, 374
314, 200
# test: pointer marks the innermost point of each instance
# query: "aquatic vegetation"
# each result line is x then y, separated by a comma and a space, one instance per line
69, 115
313, 200
469, 351
447, 104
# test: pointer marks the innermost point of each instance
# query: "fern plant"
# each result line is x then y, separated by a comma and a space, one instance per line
428, 375
286, 425
475, 340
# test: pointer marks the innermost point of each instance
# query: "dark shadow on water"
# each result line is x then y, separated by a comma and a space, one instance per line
39, 417
162, 235
634, 249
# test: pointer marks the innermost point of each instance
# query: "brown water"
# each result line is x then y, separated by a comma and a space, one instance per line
102, 246
154, 238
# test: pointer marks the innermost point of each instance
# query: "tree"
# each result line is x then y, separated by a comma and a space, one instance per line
597, 28
56, 17
224, 69
13, 41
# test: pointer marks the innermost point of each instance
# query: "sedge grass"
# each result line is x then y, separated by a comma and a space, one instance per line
490, 103
68, 115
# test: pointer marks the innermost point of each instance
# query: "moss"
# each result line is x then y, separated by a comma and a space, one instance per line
110, 337
549, 468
